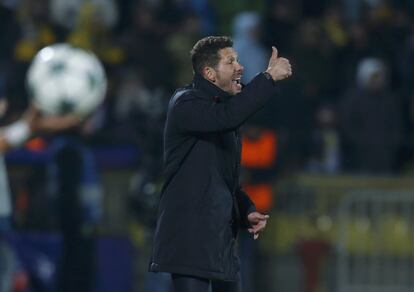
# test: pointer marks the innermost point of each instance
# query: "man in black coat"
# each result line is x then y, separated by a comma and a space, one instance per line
202, 205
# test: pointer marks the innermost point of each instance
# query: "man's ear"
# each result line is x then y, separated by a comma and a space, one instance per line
210, 74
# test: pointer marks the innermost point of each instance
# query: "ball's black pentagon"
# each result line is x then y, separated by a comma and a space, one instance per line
66, 106
93, 80
57, 67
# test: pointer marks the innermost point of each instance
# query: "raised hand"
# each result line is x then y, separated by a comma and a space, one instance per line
40, 123
278, 68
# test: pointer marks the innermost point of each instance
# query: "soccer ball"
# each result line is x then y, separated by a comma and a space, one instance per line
65, 79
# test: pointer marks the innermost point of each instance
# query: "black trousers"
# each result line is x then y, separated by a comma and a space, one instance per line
77, 265
182, 283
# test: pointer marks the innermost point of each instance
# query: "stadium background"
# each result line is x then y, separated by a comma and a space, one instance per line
331, 158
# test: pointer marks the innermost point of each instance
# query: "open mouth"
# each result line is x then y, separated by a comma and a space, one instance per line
237, 81
237, 84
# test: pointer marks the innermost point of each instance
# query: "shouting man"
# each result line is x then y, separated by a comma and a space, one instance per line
202, 205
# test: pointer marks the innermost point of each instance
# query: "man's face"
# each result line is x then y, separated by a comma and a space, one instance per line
228, 71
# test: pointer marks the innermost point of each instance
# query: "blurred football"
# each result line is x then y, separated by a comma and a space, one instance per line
65, 79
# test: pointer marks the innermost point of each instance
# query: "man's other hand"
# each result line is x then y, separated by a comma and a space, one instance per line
257, 223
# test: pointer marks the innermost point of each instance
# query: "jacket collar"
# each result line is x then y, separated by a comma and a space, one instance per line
216, 93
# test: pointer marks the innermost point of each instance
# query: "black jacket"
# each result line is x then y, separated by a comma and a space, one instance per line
202, 204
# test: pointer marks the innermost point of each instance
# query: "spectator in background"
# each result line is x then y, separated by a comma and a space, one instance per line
34, 31
75, 190
371, 121
352, 10
404, 87
358, 48
227, 10
246, 36
67, 14
325, 155
380, 19
258, 159
280, 22
336, 32
93, 31
5, 199
139, 112
13, 136
145, 47
207, 15
5, 215
9, 32
334, 26
314, 60
179, 45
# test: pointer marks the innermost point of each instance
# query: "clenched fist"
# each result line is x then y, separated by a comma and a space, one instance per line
279, 68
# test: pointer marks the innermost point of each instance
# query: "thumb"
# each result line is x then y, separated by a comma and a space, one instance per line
263, 217
275, 53
260, 217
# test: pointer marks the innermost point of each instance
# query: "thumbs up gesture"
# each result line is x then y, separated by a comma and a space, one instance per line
278, 68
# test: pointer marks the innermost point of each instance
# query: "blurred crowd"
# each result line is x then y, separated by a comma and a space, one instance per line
349, 106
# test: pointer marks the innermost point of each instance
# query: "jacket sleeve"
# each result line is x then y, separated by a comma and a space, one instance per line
193, 114
246, 206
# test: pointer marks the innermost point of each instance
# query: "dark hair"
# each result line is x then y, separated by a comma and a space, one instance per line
205, 51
